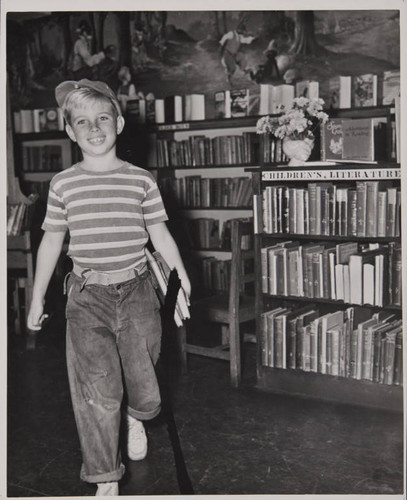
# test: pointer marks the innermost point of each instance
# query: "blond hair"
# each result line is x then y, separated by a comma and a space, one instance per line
81, 96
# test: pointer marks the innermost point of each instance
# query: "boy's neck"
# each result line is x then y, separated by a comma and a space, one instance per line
99, 164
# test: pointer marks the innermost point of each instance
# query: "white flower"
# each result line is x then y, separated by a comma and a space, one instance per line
297, 122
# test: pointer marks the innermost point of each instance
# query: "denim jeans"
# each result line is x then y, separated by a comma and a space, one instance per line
113, 343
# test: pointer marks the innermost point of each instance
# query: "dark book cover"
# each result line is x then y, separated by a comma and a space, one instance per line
331, 140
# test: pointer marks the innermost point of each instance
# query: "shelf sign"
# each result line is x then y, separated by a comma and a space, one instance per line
328, 175
174, 126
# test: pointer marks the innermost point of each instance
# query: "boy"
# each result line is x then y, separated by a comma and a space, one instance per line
110, 208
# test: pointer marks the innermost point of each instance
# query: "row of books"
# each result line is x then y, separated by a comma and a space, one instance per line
210, 234
46, 158
343, 92
199, 150
367, 209
348, 272
272, 150
19, 215
173, 108
194, 191
339, 92
353, 343
215, 274
38, 120
368, 89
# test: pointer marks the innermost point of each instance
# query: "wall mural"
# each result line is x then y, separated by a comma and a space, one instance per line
170, 53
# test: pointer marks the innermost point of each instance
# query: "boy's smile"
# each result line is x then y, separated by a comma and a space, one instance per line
94, 127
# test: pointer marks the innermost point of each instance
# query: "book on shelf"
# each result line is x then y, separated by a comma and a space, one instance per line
328, 362
390, 88
194, 107
331, 140
150, 109
307, 88
267, 336
254, 101
222, 104
159, 111
358, 140
273, 97
136, 110
339, 92
26, 121
239, 102
173, 108
48, 119
161, 271
19, 215
397, 111
364, 89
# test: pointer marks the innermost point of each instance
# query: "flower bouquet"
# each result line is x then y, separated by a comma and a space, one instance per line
296, 127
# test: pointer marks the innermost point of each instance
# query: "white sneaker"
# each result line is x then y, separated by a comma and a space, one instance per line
136, 439
108, 489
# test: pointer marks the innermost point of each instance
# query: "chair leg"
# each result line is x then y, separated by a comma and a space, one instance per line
235, 355
182, 347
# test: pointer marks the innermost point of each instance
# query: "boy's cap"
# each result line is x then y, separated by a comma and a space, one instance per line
65, 88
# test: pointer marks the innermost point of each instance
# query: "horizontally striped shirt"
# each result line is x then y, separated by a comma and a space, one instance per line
107, 214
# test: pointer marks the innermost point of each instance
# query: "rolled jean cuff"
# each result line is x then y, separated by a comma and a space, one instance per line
143, 415
105, 477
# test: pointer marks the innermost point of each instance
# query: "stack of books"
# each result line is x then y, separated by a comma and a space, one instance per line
161, 271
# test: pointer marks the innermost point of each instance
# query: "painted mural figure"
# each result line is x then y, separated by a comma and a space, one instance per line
83, 61
108, 67
231, 57
139, 56
268, 70
126, 90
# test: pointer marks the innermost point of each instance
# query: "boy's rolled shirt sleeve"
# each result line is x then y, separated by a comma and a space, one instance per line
56, 215
153, 206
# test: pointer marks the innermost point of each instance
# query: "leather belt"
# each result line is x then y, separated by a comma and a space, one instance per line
105, 278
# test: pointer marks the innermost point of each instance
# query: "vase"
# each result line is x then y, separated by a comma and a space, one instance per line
297, 150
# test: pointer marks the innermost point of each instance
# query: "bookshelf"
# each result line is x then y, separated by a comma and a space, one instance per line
39, 156
200, 167
342, 362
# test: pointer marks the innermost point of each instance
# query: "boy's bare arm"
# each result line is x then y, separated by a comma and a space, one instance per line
164, 243
47, 257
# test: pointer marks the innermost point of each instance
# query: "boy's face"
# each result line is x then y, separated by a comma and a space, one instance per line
94, 127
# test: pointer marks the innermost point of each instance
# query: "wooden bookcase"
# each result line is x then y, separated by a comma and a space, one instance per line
296, 381
186, 206
39, 156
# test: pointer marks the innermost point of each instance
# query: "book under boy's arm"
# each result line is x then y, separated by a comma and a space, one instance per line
164, 243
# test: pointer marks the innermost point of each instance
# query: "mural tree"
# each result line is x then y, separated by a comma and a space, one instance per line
304, 42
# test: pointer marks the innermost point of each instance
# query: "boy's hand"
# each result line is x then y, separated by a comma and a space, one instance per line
36, 316
186, 285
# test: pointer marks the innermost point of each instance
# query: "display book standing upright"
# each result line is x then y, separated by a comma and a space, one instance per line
200, 169
328, 280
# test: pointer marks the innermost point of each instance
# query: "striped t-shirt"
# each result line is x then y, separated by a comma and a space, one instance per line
107, 214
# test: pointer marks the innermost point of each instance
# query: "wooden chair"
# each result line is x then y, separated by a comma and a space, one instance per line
20, 271
229, 310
